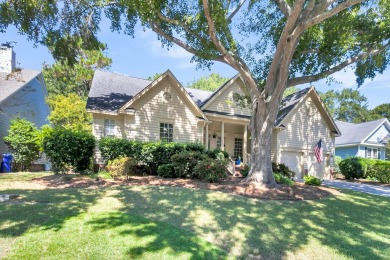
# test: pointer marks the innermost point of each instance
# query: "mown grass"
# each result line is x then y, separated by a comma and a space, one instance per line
168, 222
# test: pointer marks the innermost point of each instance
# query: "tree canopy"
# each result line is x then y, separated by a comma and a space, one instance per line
347, 105
209, 83
68, 112
272, 44
64, 77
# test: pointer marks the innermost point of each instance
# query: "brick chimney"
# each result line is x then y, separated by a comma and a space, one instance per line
7, 59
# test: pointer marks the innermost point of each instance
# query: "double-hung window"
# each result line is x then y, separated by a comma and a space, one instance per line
166, 132
109, 127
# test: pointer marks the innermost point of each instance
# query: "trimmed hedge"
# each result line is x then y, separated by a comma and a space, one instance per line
378, 169
152, 154
351, 168
64, 147
357, 167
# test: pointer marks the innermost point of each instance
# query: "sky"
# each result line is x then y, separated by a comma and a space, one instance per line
143, 56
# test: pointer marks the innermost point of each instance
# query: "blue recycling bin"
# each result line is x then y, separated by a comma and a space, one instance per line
6, 164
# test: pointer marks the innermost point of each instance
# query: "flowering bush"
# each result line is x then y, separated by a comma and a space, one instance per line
210, 170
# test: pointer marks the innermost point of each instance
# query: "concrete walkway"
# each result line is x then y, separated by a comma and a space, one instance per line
367, 188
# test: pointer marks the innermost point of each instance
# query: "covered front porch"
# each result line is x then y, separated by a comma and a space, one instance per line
230, 134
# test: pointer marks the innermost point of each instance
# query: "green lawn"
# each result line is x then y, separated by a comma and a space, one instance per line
177, 223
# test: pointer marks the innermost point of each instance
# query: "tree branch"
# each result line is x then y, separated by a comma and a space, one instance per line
323, 16
237, 64
321, 75
240, 4
284, 7
178, 23
180, 43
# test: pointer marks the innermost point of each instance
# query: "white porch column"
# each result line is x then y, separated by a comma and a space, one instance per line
207, 136
223, 136
244, 148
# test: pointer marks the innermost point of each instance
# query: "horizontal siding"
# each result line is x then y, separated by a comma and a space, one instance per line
98, 125
303, 130
224, 101
345, 152
29, 103
153, 109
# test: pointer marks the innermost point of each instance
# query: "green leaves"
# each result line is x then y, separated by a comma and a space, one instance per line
69, 112
210, 83
23, 142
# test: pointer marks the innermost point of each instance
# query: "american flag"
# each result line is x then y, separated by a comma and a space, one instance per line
318, 151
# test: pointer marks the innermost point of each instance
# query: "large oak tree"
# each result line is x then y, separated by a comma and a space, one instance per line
272, 44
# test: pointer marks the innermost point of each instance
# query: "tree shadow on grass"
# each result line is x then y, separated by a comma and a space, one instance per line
156, 237
353, 225
48, 209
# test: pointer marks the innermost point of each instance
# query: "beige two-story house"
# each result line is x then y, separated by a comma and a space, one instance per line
139, 109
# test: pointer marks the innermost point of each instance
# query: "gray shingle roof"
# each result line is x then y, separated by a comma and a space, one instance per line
199, 96
110, 91
356, 133
288, 103
14, 82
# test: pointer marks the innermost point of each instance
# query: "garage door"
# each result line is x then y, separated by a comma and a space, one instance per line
294, 161
316, 169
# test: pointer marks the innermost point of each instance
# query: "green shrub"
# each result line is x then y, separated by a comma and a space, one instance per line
210, 170
282, 169
112, 148
379, 170
281, 179
245, 171
336, 162
185, 162
23, 142
217, 154
64, 147
351, 168
311, 180
166, 171
122, 167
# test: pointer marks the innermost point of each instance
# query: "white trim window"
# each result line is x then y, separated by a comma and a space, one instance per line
166, 132
372, 153
109, 128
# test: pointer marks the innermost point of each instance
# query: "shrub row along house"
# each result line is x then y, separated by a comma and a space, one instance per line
139, 109
22, 94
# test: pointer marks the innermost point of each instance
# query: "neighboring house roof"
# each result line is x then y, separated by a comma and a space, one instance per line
110, 91
11, 83
357, 133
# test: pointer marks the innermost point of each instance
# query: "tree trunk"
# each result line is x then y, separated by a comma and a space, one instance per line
262, 124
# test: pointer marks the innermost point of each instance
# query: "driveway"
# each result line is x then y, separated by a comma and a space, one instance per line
367, 188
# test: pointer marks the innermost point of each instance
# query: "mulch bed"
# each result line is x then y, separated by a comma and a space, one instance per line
231, 185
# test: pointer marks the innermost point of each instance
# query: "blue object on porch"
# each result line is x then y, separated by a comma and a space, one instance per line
238, 161
6, 164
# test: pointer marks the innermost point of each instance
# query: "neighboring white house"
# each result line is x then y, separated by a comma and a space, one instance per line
133, 108
22, 93
366, 139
